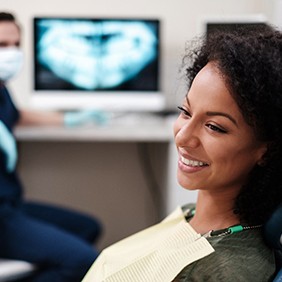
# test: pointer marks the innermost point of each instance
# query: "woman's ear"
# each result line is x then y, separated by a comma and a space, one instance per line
262, 153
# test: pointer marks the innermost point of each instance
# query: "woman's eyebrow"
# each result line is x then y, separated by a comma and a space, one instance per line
222, 114
211, 113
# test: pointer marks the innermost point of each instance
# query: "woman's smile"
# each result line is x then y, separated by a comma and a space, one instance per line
192, 163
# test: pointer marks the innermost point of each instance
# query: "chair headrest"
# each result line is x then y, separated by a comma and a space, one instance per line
273, 229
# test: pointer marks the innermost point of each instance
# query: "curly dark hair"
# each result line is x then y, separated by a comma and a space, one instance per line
250, 61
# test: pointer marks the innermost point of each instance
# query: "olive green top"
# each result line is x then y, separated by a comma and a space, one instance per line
241, 256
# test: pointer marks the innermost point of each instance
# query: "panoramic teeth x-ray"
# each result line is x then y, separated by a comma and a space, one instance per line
95, 54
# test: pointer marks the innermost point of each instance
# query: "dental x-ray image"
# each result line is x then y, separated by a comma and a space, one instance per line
96, 54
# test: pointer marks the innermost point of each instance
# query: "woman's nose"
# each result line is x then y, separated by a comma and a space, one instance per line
186, 135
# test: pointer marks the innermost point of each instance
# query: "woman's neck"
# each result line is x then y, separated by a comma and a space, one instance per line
213, 213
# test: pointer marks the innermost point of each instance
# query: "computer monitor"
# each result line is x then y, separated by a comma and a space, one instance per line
227, 23
108, 63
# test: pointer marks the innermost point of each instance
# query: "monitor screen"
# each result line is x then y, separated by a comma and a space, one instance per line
228, 23
96, 56
229, 26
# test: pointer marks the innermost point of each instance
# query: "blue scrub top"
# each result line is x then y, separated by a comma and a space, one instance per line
10, 186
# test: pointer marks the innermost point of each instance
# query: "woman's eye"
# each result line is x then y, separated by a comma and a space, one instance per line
184, 111
216, 128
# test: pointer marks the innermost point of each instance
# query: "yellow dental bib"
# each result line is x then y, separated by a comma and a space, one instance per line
155, 254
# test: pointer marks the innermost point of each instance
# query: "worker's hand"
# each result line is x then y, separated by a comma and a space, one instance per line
72, 119
9, 147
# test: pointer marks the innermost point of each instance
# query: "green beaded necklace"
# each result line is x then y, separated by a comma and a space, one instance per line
189, 213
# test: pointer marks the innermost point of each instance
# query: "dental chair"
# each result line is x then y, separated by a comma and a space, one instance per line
273, 236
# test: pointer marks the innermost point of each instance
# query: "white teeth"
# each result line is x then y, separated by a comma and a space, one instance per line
192, 163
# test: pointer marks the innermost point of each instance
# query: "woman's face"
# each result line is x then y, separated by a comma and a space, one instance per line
217, 148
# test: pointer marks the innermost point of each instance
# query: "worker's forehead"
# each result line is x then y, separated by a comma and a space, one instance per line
9, 34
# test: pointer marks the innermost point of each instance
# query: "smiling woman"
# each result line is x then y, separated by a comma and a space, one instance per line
228, 137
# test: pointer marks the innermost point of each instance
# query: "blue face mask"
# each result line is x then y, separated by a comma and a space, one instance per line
11, 61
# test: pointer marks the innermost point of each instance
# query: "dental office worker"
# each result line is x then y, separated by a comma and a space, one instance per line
58, 241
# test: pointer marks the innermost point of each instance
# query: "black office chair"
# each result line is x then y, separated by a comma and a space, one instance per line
273, 237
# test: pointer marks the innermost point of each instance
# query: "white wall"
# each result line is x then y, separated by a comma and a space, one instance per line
180, 22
